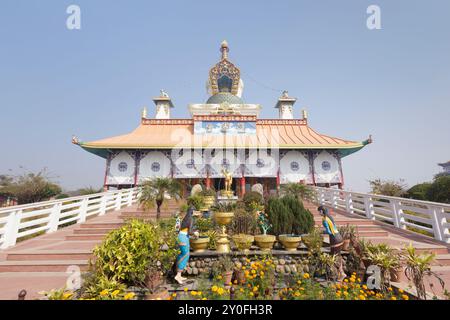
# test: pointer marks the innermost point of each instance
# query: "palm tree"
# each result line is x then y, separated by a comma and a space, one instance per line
154, 192
298, 190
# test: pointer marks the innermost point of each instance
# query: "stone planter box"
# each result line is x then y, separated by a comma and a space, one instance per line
290, 242
265, 241
200, 244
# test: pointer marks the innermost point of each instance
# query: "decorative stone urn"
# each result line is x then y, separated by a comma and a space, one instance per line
290, 241
243, 241
223, 219
265, 241
200, 244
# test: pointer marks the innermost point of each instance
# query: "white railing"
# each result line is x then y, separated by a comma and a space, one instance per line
45, 217
424, 217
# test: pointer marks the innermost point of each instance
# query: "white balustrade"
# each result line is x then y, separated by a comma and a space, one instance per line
424, 217
46, 217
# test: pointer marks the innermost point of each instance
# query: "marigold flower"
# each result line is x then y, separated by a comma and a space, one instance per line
405, 297
306, 276
104, 292
130, 296
115, 293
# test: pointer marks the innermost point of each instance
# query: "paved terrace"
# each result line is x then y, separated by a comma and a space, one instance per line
40, 264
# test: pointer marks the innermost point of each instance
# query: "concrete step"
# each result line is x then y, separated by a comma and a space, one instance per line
372, 233
443, 259
46, 255
110, 225
93, 231
352, 222
85, 237
42, 266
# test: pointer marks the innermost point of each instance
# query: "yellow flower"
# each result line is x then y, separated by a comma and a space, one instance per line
220, 291
104, 292
352, 279
405, 297
174, 295
400, 291
115, 293
345, 293
299, 282
204, 299
241, 290
306, 276
194, 293
67, 295
253, 271
362, 297
214, 288
255, 289
346, 280
219, 277
130, 296
261, 273
185, 289
364, 287
251, 294
390, 289
393, 298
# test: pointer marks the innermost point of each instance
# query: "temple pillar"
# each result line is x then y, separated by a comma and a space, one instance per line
208, 182
278, 181
242, 186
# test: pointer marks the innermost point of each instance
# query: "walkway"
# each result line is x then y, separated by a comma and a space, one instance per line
378, 232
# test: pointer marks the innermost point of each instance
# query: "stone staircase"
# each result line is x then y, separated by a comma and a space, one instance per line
41, 263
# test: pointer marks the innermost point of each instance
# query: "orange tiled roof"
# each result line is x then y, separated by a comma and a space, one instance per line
165, 134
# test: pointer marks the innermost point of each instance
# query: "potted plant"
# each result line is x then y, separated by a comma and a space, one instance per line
209, 197
264, 241
348, 233
387, 259
201, 243
224, 212
196, 201
290, 241
225, 267
243, 241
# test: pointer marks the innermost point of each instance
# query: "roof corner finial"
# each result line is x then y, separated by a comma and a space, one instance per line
144, 113
305, 114
224, 49
75, 140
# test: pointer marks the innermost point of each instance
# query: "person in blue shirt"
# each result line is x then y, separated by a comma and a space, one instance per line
185, 228
336, 240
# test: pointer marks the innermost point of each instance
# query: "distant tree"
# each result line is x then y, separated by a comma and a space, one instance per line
32, 187
419, 191
388, 187
298, 190
5, 182
439, 191
87, 191
441, 174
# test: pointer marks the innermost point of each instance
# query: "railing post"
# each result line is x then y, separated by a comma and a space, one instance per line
397, 214
54, 218
118, 200
130, 197
438, 221
103, 201
83, 210
11, 229
348, 202
368, 205
334, 200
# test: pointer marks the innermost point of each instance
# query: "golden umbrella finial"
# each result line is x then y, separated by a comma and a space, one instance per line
224, 49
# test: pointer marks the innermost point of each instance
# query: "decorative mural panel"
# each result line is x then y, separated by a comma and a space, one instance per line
259, 163
225, 127
154, 164
188, 164
295, 167
121, 169
326, 167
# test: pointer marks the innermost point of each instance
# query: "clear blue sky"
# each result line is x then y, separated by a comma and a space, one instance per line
392, 83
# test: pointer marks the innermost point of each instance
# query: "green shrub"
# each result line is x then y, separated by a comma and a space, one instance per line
196, 201
288, 216
303, 220
280, 216
128, 253
252, 199
244, 222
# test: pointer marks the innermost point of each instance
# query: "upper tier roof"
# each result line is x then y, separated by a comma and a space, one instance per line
179, 133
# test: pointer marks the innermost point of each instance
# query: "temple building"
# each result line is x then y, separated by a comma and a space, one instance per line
224, 133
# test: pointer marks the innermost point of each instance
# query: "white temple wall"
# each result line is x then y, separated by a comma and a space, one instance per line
295, 167
154, 164
327, 168
121, 169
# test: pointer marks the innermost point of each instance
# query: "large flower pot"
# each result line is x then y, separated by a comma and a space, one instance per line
200, 244
290, 242
265, 241
223, 218
209, 201
243, 241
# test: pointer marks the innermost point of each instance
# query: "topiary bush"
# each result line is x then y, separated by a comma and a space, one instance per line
288, 216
